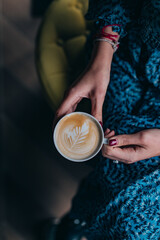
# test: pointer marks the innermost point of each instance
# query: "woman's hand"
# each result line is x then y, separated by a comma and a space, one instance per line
132, 147
93, 85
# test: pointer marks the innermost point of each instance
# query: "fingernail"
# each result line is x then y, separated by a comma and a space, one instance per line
113, 142
101, 123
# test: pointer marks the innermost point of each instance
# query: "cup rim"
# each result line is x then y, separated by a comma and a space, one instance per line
78, 160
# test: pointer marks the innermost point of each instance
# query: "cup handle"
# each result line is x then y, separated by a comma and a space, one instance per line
105, 141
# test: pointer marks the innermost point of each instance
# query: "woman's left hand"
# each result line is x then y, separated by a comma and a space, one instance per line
130, 148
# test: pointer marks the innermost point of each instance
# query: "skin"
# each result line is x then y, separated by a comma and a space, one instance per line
131, 148
93, 84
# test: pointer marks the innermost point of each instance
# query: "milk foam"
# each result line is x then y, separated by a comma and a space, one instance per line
78, 136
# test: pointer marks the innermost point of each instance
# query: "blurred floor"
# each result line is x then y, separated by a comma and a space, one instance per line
36, 183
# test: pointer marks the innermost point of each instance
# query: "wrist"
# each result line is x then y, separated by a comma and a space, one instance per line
101, 69
100, 75
101, 57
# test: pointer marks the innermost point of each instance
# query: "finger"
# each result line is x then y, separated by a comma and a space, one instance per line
68, 105
69, 101
117, 159
110, 134
97, 105
101, 123
59, 116
127, 154
125, 140
107, 152
107, 131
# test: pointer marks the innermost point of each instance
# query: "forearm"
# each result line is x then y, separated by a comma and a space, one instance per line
101, 57
102, 54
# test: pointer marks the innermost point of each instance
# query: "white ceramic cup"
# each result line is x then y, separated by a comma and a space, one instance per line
103, 140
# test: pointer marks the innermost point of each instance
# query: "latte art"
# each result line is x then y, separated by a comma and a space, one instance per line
78, 136
74, 137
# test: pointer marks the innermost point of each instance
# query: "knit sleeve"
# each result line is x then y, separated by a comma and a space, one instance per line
109, 12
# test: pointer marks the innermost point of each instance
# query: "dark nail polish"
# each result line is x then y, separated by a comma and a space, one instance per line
101, 123
113, 142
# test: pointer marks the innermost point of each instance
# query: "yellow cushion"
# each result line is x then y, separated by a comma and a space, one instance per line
61, 47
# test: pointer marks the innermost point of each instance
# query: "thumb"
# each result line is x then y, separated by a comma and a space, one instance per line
68, 105
125, 140
97, 105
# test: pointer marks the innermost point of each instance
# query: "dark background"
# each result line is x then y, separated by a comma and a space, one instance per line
36, 183
38, 7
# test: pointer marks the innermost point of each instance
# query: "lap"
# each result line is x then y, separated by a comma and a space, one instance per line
127, 206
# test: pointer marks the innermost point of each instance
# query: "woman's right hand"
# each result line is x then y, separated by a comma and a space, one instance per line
91, 84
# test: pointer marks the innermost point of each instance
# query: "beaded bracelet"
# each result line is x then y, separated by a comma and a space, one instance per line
115, 45
107, 37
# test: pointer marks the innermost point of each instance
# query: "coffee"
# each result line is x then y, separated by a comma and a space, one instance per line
78, 136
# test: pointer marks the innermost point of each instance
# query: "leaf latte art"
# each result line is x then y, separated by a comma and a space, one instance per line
78, 136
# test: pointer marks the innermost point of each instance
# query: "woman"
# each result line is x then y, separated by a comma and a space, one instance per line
121, 201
